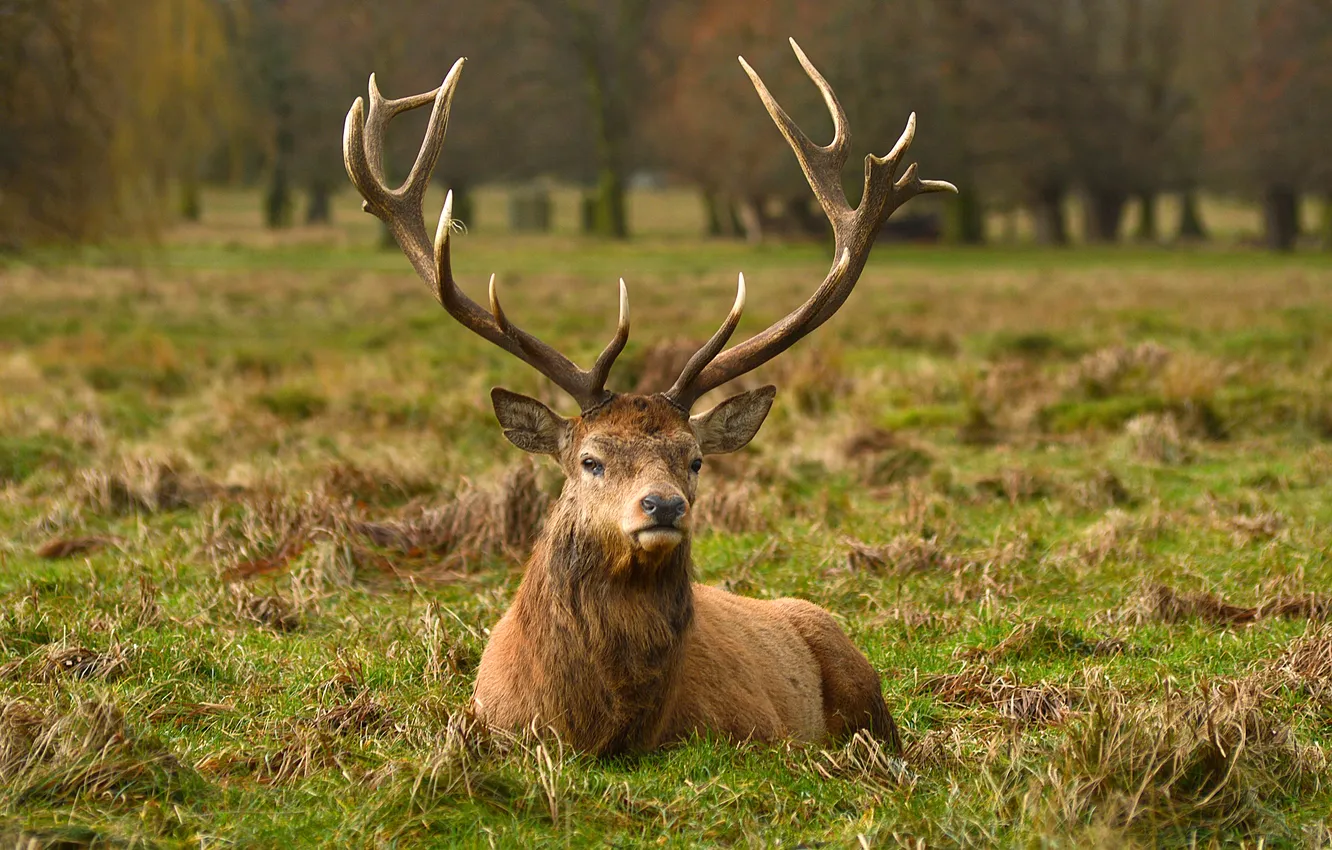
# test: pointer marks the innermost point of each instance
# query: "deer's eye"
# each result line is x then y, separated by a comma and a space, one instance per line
594, 466
697, 464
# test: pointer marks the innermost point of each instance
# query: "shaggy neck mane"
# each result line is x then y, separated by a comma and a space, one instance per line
605, 628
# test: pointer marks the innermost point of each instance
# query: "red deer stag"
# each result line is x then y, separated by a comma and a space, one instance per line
608, 642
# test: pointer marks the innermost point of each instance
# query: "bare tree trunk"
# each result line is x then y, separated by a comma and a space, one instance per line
1048, 211
964, 221
750, 213
608, 215
1281, 217
1147, 227
319, 210
712, 213
799, 213
1327, 221
723, 217
191, 206
1105, 212
277, 200
1190, 218
464, 208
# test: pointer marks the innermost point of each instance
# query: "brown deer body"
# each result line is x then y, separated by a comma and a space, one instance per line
608, 642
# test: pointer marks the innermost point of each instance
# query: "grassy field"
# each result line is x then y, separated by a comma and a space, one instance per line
256, 518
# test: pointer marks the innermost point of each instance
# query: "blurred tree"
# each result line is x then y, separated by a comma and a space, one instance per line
105, 103
1083, 94
1269, 127
614, 46
711, 128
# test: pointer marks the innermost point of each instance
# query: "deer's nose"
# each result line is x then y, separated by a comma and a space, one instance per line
664, 510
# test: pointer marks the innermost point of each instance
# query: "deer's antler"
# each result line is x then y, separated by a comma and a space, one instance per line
854, 230
400, 209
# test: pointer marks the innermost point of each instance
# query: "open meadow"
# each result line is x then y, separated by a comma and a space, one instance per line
256, 518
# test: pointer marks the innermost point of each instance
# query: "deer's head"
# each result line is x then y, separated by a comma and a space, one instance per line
632, 464
632, 461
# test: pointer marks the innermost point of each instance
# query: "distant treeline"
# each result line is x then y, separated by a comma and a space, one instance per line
117, 111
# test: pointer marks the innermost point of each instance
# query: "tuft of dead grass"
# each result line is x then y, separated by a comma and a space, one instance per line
142, 486
475, 524
268, 533
84, 751
1156, 437
978, 686
659, 364
1019, 484
1119, 536
1101, 490
79, 662
346, 480
1245, 529
869, 441
896, 466
363, 714
1160, 603
269, 610
903, 555
730, 507
1308, 661
58, 548
1042, 639
1106, 371
866, 762
1213, 760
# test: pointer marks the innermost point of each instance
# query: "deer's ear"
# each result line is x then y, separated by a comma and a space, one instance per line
529, 424
730, 426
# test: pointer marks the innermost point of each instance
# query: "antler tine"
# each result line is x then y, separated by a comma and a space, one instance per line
400, 209
854, 231
601, 368
822, 164
681, 393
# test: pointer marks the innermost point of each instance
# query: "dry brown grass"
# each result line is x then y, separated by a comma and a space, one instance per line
1157, 437
143, 485
978, 686
1107, 371
731, 507
1120, 536
1216, 758
1307, 661
79, 662
58, 548
268, 534
865, 761
270, 610
1245, 529
1039, 639
1161, 603
85, 750
903, 555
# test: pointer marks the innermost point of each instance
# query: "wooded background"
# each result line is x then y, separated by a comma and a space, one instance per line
117, 112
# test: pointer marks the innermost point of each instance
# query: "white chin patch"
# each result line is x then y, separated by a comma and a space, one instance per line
659, 539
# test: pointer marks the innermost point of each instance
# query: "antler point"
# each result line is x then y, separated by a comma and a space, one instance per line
495, 309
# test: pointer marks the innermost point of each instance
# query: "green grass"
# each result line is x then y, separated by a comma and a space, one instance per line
1072, 505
